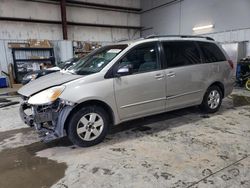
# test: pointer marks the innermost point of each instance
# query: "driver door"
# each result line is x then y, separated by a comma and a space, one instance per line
142, 92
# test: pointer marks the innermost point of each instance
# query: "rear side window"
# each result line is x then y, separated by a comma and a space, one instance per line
181, 53
211, 52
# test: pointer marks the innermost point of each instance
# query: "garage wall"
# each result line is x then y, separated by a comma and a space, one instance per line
36, 10
20, 31
162, 20
229, 17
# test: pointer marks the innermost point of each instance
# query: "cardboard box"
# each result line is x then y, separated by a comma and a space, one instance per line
34, 43
17, 45
87, 46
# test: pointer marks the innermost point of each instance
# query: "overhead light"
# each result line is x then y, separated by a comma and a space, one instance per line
203, 27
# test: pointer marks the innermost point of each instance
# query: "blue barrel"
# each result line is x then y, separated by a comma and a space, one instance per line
3, 82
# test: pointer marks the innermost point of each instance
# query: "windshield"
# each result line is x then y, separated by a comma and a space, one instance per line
97, 60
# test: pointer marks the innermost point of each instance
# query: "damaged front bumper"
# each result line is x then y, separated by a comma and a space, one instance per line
48, 120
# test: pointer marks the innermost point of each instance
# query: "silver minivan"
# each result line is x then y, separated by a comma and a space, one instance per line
125, 81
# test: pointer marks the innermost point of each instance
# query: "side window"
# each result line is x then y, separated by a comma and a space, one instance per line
181, 53
211, 52
142, 58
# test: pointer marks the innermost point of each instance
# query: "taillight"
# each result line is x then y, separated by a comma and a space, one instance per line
231, 63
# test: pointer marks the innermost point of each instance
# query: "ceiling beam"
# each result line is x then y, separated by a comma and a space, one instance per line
104, 5
100, 6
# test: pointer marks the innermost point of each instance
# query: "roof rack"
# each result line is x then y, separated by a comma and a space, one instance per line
181, 36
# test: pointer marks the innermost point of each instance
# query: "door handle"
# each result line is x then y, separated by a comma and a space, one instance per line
171, 74
159, 76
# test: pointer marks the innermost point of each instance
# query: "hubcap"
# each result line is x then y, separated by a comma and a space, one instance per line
90, 126
213, 99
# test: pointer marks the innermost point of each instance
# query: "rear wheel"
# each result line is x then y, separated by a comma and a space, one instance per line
88, 126
212, 100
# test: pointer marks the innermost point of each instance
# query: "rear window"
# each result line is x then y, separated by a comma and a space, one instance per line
181, 53
211, 52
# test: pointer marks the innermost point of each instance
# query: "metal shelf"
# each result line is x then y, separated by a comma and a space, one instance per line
31, 49
22, 58
27, 60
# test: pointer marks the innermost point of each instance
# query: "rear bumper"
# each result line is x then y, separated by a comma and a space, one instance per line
228, 87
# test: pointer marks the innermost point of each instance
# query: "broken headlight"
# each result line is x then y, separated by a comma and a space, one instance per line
47, 96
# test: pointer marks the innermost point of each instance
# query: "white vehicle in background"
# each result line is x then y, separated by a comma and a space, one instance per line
39, 73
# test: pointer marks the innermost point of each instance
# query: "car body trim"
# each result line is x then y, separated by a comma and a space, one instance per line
183, 94
144, 102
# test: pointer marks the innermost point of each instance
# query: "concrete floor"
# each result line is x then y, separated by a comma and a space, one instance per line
183, 148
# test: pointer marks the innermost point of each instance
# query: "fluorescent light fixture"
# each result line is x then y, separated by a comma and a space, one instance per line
203, 27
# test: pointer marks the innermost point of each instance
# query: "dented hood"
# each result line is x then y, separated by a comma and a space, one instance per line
47, 81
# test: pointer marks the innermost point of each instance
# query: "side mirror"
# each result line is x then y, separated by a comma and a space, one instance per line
122, 71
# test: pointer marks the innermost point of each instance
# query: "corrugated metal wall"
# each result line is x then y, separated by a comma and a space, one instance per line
44, 11
21, 31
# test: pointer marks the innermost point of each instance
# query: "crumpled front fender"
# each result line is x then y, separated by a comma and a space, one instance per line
59, 129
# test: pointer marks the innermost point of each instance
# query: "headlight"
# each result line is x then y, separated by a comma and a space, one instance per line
47, 96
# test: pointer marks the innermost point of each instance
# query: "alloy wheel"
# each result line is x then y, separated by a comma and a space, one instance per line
213, 99
90, 126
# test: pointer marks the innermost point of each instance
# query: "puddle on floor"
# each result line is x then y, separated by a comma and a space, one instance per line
7, 134
20, 167
239, 100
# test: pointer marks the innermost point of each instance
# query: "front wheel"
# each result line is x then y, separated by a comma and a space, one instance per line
212, 100
88, 126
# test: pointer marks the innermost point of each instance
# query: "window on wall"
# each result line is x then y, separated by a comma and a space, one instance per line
142, 58
211, 52
181, 53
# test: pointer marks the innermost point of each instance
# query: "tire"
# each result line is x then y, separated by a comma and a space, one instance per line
247, 85
212, 100
88, 126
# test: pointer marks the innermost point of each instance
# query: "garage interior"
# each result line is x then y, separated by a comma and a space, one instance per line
182, 148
